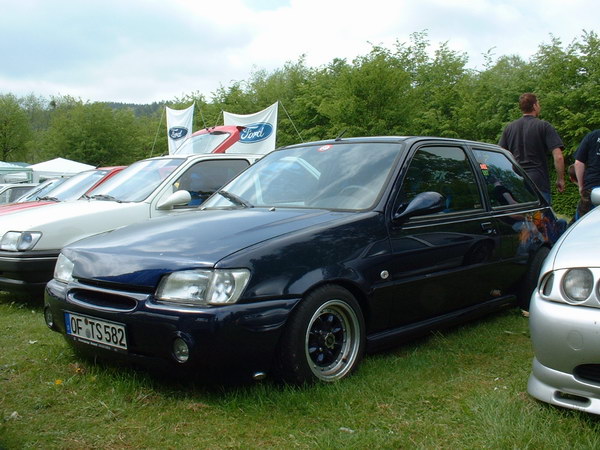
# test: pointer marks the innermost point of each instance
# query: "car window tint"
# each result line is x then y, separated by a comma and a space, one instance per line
505, 186
202, 143
299, 182
77, 185
445, 170
204, 178
138, 181
347, 176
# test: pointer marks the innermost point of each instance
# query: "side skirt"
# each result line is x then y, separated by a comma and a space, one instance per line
384, 339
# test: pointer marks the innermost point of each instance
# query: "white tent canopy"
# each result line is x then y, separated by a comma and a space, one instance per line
57, 167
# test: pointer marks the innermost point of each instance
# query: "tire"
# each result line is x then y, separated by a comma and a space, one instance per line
324, 339
529, 282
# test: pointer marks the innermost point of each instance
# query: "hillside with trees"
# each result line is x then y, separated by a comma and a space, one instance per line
404, 90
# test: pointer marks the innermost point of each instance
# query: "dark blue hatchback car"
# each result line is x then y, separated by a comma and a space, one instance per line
313, 255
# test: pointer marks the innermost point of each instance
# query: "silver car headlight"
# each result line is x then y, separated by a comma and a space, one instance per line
63, 271
19, 241
203, 287
578, 284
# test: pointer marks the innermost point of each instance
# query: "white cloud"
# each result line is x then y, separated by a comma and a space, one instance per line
149, 50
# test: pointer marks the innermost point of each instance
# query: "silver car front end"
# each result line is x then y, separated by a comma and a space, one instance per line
566, 343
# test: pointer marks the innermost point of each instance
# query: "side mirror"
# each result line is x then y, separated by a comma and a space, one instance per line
424, 203
595, 196
181, 197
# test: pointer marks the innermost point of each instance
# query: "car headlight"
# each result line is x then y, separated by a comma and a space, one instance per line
19, 241
63, 271
578, 284
203, 287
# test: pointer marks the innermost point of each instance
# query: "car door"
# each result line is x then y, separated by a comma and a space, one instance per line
516, 210
441, 261
201, 180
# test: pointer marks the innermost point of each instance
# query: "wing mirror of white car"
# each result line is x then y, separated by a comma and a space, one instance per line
596, 196
181, 197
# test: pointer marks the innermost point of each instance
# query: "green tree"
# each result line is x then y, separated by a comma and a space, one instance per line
93, 133
15, 130
438, 86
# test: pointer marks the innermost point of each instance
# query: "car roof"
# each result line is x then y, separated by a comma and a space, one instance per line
393, 139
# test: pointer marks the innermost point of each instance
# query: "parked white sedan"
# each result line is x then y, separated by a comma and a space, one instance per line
30, 240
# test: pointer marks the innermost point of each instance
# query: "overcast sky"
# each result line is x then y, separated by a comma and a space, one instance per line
141, 51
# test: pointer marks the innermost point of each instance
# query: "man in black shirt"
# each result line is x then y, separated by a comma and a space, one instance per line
587, 169
530, 139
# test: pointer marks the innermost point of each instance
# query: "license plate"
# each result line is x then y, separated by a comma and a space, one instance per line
101, 333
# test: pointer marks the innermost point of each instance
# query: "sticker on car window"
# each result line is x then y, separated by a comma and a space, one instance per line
324, 148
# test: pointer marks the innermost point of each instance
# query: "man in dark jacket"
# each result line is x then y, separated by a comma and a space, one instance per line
530, 140
587, 169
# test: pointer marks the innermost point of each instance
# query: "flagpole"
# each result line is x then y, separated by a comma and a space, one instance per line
201, 115
293, 124
157, 130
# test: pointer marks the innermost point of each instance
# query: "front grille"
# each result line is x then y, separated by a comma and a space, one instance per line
588, 372
103, 299
115, 286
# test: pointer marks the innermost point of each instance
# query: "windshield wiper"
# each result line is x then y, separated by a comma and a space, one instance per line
235, 199
105, 197
51, 199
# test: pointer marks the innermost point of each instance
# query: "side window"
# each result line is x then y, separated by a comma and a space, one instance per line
204, 178
504, 184
445, 170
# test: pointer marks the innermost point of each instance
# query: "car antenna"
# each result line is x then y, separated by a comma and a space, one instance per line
340, 135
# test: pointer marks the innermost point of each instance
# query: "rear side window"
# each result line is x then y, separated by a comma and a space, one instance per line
505, 185
445, 170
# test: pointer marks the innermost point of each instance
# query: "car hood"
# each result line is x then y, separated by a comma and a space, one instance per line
140, 254
12, 207
576, 248
65, 222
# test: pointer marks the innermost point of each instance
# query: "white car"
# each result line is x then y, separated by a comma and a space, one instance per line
30, 240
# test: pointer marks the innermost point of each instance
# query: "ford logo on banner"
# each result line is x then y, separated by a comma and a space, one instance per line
256, 132
177, 133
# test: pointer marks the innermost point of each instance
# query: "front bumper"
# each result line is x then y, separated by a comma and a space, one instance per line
26, 270
240, 336
566, 344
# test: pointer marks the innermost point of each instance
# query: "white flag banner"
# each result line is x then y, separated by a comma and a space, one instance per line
179, 126
259, 135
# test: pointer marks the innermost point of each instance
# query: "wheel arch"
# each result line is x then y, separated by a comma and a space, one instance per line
350, 286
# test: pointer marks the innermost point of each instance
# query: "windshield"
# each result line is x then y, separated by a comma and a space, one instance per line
137, 181
202, 143
41, 190
74, 187
339, 176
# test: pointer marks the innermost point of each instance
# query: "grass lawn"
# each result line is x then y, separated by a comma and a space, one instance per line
461, 388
